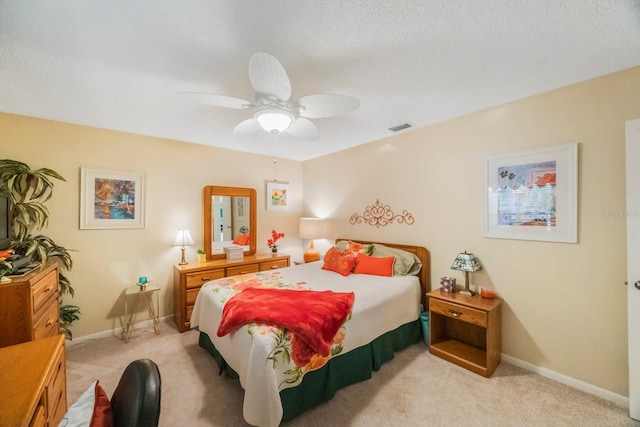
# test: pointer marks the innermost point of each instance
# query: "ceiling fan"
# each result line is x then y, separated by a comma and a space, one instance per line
274, 111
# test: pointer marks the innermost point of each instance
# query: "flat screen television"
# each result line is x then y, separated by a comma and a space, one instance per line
5, 240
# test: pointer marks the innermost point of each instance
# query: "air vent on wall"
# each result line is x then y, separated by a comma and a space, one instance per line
397, 128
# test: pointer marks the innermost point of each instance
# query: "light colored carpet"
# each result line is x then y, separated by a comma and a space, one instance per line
414, 389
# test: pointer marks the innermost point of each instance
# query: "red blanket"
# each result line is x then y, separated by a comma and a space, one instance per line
313, 316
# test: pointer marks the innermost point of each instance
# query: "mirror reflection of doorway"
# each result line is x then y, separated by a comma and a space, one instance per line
222, 219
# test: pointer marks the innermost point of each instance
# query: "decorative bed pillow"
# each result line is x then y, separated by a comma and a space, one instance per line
407, 264
372, 265
340, 262
92, 409
242, 239
354, 247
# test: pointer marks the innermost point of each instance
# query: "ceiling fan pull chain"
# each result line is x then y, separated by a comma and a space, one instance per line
275, 159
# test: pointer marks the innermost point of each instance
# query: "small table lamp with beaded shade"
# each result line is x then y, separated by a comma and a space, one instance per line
312, 228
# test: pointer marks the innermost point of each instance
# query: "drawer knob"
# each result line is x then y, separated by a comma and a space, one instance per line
206, 279
274, 266
48, 288
455, 313
50, 322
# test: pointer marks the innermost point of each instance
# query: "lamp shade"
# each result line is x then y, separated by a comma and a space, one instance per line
274, 119
466, 262
183, 238
312, 228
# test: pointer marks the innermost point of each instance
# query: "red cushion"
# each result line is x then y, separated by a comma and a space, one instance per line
340, 262
372, 265
242, 239
102, 416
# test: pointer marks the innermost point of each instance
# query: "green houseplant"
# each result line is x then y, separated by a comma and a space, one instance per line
28, 192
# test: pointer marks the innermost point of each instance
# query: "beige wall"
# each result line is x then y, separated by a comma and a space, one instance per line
108, 260
564, 304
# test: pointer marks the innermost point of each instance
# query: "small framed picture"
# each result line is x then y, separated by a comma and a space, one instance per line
111, 199
278, 196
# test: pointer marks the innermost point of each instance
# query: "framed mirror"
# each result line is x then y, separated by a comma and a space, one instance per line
229, 215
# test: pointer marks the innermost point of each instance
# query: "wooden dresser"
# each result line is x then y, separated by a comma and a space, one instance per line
33, 382
29, 306
188, 278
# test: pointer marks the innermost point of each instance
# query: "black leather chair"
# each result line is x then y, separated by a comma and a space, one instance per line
136, 400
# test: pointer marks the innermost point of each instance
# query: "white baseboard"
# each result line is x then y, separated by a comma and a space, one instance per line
117, 332
618, 399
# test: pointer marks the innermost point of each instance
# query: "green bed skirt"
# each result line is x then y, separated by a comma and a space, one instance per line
321, 385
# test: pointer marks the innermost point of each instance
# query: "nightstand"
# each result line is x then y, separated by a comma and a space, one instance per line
465, 330
142, 295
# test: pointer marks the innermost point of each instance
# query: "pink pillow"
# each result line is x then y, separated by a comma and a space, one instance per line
372, 265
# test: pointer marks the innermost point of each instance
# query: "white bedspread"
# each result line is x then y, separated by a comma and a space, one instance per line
382, 304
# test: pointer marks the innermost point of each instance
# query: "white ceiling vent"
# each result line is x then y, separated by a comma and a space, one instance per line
398, 128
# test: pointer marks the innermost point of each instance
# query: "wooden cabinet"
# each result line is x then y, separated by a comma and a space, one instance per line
33, 382
29, 306
188, 278
465, 330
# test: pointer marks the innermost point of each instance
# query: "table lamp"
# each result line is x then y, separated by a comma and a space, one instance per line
183, 239
312, 228
468, 263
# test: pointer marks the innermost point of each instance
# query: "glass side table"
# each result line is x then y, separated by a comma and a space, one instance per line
143, 295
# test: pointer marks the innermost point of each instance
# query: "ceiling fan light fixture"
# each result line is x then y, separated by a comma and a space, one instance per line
274, 119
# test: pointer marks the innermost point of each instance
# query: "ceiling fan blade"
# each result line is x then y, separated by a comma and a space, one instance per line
218, 100
247, 127
268, 76
326, 105
303, 128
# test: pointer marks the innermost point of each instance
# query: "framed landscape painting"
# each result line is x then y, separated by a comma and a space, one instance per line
533, 195
111, 199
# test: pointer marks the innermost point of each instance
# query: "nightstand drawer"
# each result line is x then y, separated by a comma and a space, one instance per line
243, 269
460, 312
196, 280
272, 265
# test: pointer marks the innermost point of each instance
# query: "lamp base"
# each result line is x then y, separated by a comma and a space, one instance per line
183, 261
311, 256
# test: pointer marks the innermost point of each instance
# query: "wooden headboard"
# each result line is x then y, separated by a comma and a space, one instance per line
423, 255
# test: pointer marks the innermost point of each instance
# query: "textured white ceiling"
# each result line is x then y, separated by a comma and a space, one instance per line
119, 64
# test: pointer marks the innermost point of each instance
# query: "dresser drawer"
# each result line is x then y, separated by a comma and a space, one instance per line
192, 294
243, 269
49, 323
460, 312
271, 265
39, 418
44, 290
56, 391
195, 280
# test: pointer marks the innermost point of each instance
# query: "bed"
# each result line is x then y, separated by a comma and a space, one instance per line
282, 381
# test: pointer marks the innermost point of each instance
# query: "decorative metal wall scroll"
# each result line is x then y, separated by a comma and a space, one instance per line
381, 215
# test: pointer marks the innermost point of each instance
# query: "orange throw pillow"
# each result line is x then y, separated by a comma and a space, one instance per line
241, 239
372, 265
340, 262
